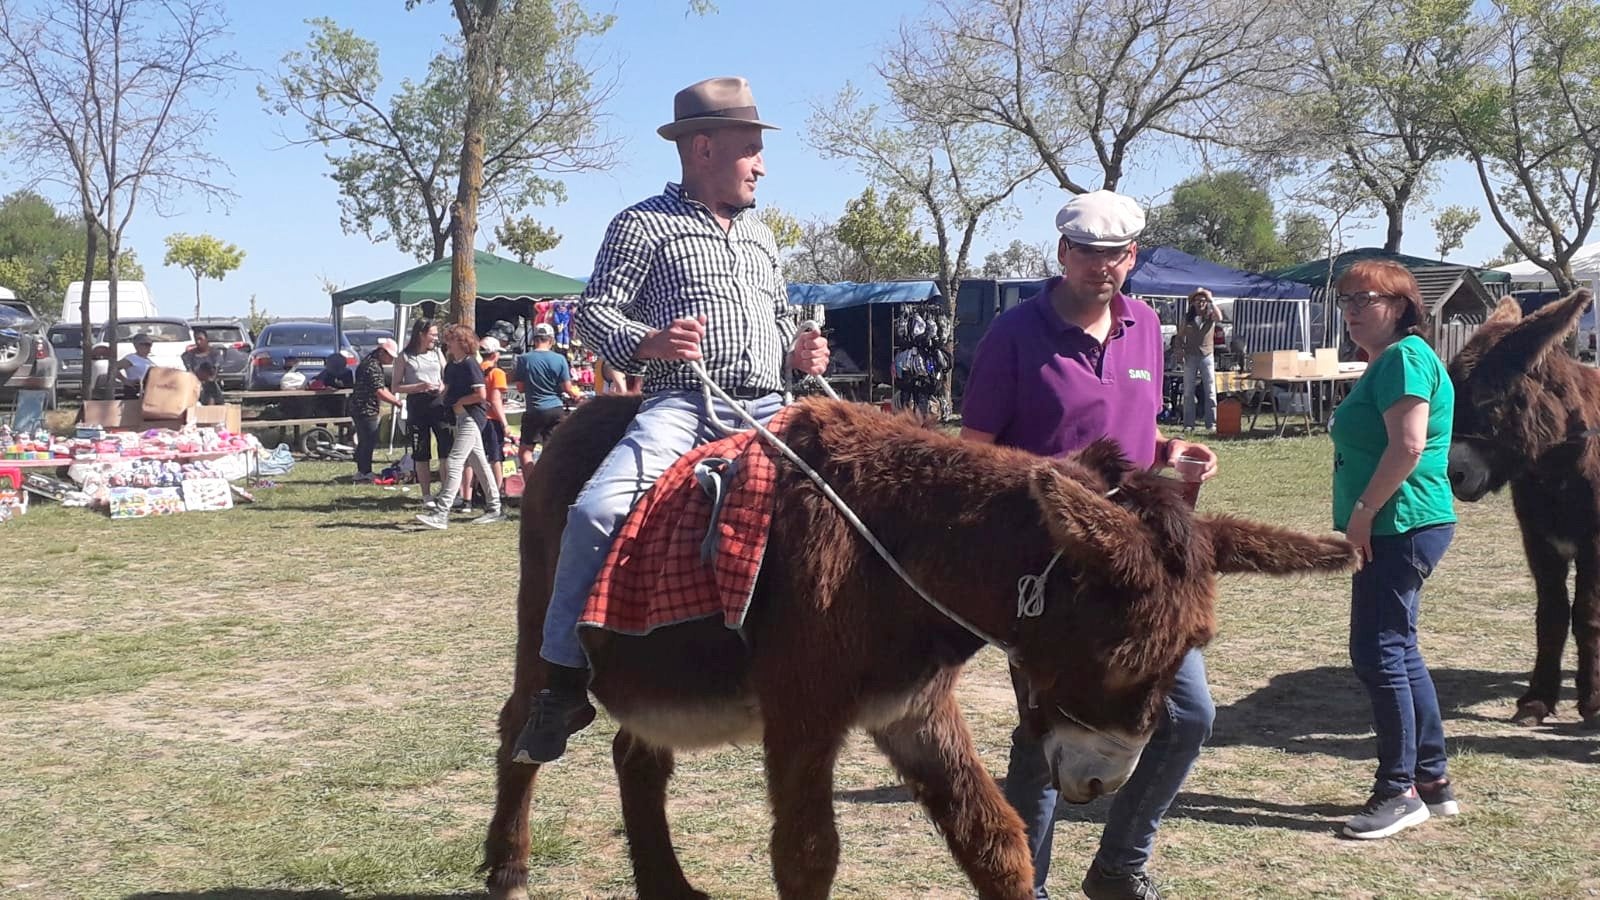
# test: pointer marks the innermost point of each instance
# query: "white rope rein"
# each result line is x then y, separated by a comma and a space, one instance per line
711, 390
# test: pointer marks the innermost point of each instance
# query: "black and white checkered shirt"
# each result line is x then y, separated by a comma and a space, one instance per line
667, 258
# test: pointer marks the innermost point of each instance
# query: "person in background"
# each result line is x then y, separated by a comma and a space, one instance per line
1197, 335
1392, 499
365, 411
546, 383
1077, 363
466, 396
210, 391
133, 368
419, 377
334, 374
494, 431
202, 351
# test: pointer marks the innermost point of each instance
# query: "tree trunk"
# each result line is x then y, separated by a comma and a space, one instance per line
197, 296
90, 248
111, 303
1397, 226
477, 19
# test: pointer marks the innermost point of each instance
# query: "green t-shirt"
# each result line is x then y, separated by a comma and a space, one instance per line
1409, 368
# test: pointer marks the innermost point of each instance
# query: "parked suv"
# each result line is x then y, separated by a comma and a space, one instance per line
67, 342
231, 340
169, 337
289, 346
27, 361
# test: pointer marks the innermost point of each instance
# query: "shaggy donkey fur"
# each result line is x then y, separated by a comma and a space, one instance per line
834, 640
1525, 415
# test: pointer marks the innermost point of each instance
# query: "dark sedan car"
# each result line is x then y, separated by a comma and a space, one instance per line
68, 343
302, 347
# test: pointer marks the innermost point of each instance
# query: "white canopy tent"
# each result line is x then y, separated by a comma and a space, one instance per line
1585, 268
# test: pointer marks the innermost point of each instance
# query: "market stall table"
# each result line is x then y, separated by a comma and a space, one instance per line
1321, 393
256, 401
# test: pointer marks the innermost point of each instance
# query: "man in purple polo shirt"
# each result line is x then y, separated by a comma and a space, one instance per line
1078, 362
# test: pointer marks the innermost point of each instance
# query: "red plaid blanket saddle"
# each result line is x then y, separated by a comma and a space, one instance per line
663, 569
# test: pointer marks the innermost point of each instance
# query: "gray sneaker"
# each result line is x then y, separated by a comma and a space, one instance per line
1099, 884
1441, 800
1384, 816
437, 519
489, 518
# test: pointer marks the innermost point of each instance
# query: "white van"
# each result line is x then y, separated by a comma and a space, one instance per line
133, 301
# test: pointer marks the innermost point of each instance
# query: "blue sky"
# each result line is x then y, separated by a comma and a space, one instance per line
286, 216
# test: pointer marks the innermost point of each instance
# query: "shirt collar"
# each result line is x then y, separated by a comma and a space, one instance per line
1120, 310
674, 192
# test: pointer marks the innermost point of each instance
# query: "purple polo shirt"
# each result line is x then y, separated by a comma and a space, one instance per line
1043, 385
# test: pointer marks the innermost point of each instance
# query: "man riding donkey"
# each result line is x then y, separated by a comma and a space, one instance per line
689, 274
1080, 362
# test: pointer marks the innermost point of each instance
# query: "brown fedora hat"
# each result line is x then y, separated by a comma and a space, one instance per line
712, 103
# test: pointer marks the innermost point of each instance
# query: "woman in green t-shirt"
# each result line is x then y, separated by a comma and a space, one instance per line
1391, 497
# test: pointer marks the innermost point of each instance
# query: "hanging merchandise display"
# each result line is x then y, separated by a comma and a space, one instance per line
922, 363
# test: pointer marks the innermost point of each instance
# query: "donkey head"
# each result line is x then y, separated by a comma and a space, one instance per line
1132, 594
1517, 394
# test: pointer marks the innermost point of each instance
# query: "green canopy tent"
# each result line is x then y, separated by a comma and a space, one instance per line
500, 281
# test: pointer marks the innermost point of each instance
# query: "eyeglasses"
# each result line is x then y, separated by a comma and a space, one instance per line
1108, 255
1360, 300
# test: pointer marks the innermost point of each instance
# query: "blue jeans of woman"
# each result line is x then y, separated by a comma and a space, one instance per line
1385, 597
668, 425
1200, 371
1130, 833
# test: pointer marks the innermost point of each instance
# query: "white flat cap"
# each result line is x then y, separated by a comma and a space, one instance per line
1100, 219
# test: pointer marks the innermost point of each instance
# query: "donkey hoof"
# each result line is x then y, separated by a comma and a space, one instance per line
1531, 713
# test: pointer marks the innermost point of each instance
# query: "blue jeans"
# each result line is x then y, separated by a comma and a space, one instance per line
1202, 371
668, 425
1136, 811
1384, 600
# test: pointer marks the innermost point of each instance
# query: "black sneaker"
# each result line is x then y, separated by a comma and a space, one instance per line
1102, 885
1441, 800
1383, 816
556, 716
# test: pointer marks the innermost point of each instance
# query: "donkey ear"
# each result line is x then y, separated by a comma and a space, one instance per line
1240, 545
1536, 334
1507, 310
1092, 530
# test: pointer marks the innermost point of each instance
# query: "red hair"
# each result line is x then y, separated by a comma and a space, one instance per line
1382, 276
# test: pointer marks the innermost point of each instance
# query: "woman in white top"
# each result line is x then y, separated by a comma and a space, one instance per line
419, 377
132, 369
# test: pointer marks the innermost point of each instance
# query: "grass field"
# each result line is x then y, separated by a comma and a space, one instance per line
295, 700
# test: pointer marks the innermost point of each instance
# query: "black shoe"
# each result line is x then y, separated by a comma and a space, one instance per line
1383, 816
557, 715
1101, 885
1440, 799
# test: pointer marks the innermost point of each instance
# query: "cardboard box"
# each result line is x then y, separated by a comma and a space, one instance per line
1324, 363
182, 420
169, 392
228, 417
111, 414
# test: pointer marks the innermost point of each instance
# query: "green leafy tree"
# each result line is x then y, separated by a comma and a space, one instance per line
505, 109
786, 230
1451, 225
1363, 114
526, 238
883, 244
1530, 126
1304, 236
41, 253
1021, 259
203, 256
1225, 217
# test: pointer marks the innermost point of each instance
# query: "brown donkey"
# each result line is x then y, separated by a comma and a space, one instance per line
1527, 414
834, 640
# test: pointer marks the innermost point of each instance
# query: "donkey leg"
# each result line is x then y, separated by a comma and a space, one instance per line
805, 843
505, 849
1551, 619
935, 756
1586, 632
642, 775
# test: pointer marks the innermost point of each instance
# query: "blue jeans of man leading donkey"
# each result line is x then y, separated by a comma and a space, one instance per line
1129, 836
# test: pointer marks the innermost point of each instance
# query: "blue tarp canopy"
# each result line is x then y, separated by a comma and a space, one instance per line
1168, 272
846, 294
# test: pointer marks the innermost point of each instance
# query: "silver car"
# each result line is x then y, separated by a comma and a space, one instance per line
27, 361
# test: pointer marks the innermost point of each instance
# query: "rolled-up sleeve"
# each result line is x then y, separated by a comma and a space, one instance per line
604, 317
